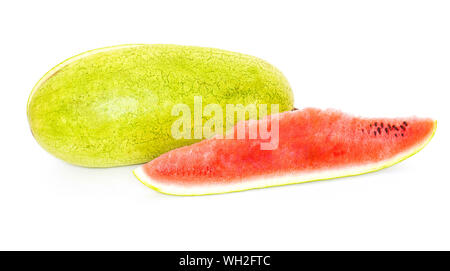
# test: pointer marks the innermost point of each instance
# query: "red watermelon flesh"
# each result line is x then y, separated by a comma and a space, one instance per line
313, 145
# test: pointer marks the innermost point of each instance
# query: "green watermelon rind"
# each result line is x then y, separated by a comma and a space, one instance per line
107, 111
346, 172
70, 60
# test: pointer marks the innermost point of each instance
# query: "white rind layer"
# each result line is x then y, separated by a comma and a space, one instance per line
271, 181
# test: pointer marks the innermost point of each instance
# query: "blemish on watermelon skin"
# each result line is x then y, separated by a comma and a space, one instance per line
311, 140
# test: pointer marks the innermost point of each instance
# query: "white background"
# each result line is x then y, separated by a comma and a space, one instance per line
372, 58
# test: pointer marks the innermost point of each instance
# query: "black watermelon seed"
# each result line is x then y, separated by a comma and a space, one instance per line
406, 124
387, 131
376, 124
382, 125
389, 126
379, 130
403, 128
402, 134
371, 125
375, 133
395, 135
395, 127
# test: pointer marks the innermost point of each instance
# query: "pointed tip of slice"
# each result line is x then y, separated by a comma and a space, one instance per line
144, 178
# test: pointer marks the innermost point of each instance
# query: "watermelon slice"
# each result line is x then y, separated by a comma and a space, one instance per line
313, 145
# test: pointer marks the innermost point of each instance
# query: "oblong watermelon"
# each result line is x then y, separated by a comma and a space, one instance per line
115, 106
313, 145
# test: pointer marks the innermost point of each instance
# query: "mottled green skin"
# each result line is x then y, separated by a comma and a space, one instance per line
112, 106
